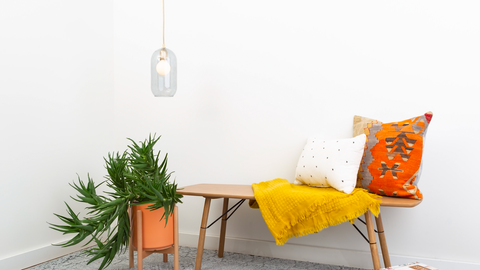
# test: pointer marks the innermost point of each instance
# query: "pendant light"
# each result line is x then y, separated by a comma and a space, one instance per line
164, 68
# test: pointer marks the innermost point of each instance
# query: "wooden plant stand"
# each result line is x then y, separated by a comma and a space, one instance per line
142, 253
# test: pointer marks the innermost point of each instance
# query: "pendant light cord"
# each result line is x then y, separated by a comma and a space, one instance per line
163, 9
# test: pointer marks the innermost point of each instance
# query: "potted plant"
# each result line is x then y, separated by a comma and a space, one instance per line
135, 177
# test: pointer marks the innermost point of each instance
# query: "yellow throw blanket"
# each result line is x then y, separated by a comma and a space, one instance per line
297, 210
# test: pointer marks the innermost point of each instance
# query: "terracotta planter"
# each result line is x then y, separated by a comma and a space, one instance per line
156, 235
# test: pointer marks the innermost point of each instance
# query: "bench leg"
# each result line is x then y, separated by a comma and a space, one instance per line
383, 241
223, 229
203, 230
372, 240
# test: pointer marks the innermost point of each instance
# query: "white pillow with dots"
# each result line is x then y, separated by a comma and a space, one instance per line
331, 163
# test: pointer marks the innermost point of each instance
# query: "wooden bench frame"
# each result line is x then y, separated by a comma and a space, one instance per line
226, 191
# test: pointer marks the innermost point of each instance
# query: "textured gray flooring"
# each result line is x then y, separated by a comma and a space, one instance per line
230, 261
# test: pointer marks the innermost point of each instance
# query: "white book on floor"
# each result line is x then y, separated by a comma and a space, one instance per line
411, 266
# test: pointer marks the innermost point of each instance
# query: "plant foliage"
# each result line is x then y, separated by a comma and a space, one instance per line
137, 176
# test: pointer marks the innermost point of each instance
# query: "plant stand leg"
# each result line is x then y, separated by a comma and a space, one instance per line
175, 239
139, 241
223, 229
203, 230
372, 240
130, 241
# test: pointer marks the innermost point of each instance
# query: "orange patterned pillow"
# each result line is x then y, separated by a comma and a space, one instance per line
392, 161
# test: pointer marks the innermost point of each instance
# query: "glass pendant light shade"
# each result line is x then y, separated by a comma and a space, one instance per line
164, 73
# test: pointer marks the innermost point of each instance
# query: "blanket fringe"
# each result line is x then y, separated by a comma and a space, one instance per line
285, 235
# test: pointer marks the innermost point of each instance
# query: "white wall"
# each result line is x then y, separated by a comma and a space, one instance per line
56, 111
255, 79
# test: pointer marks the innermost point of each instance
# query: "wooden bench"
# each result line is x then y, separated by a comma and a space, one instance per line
245, 192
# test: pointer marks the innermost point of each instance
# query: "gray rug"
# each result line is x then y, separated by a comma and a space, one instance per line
230, 261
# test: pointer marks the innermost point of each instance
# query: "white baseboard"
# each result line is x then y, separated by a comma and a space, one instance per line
36, 256
352, 258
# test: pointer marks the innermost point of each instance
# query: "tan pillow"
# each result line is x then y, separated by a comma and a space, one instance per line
360, 123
